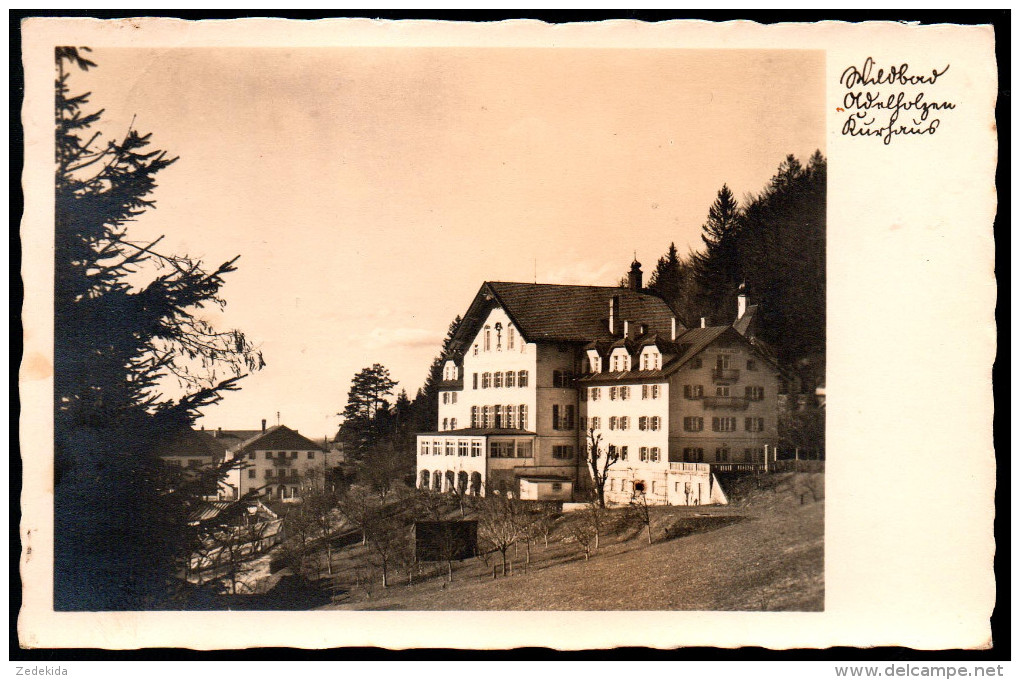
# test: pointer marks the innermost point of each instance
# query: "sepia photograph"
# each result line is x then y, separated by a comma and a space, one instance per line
357, 332
370, 329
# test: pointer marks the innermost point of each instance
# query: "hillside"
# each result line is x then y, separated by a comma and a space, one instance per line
764, 551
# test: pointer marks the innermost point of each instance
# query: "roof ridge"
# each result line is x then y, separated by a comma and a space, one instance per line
577, 285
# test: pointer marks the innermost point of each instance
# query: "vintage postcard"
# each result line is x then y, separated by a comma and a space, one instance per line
440, 334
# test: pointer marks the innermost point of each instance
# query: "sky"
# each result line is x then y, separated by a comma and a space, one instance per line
369, 192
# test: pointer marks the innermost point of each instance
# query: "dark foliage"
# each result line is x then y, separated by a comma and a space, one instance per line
121, 527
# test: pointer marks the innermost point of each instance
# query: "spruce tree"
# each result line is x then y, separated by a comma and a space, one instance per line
718, 269
126, 336
367, 415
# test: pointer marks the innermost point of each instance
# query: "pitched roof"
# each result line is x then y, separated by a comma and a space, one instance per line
562, 313
278, 437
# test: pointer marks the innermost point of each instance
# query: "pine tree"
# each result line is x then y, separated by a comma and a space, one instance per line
718, 268
666, 280
126, 331
367, 414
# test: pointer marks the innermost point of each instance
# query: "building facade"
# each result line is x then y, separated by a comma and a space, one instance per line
537, 375
275, 462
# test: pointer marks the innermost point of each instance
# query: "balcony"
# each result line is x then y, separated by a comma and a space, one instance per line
282, 462
728, 403
689, 467
725, 374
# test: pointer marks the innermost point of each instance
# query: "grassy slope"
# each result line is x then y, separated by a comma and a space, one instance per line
771, 559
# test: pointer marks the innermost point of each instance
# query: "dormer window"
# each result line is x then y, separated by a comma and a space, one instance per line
650, 361
621, 361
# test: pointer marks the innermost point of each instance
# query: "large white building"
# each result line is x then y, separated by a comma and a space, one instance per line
537, 374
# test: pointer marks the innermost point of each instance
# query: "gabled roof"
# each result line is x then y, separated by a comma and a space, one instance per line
278, 437
562, 313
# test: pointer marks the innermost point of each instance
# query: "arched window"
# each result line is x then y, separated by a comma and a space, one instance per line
462, 482
450, 480
437, 481
476, 483
424, 483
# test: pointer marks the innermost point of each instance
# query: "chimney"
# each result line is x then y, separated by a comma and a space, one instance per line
614, 311
672, 328
263, 424
741, 301
634, 277
702, 322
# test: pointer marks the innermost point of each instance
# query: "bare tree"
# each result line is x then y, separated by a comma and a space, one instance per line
642, 514
387, 538
299, 533
545, 517
359, 507
498, 523
594, 515
585, 536
599, 461
320, 506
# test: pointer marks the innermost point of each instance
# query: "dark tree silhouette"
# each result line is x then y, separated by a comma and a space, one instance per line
366, 416
126, 330
718, 267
